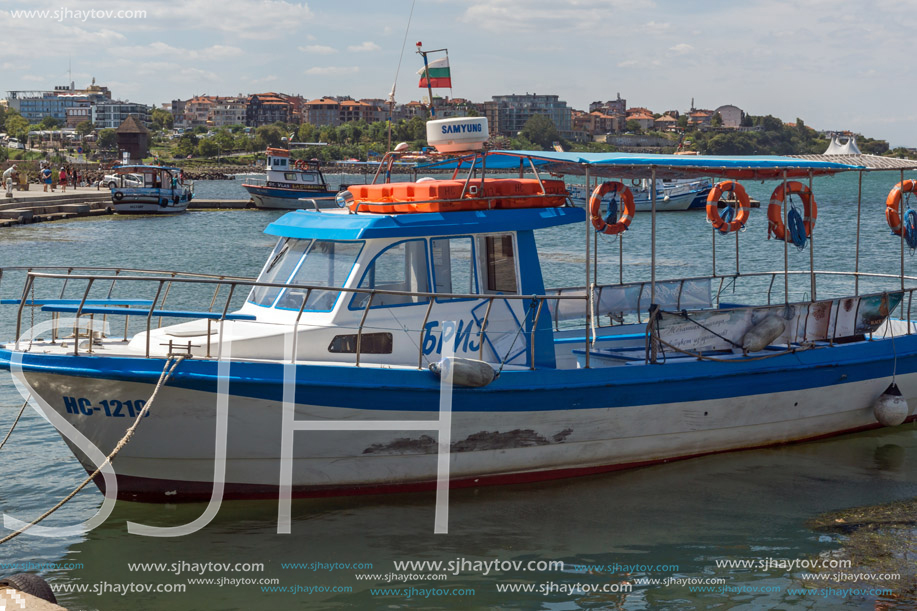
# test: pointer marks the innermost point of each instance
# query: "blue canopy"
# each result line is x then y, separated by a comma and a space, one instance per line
636, 165
341, 226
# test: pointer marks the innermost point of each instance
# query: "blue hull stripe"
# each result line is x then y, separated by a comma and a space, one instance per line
287, 193
540, 390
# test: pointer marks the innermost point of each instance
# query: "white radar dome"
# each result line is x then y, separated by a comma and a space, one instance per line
457, 134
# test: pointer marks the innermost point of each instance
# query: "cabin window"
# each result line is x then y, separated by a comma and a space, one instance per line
308, 262
453, 265
370, 343
278, 269
291, 176
400, 267
500, 264
326, 263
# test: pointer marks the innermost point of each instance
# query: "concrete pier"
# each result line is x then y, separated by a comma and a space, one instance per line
36, 206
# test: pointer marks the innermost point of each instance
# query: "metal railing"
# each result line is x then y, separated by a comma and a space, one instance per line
164, 281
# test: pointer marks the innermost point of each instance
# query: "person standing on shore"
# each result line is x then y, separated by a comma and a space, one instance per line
62, 179
9, 177
46, 178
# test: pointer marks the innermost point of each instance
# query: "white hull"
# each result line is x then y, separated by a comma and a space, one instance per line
664, 203
171, 455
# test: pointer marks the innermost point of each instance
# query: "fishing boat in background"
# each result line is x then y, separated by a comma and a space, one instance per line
364, 317
671, 195
149, 189
288, 182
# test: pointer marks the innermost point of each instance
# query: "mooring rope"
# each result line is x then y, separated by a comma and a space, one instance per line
167, 371
16, 421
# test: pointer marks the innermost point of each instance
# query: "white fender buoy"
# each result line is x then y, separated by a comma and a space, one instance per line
469, 373
890, 409
762, 334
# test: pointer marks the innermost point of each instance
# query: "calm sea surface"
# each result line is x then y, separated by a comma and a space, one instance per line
673, 521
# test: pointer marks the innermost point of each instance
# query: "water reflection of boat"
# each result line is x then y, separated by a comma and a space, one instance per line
711, 507
350, 325
671, 195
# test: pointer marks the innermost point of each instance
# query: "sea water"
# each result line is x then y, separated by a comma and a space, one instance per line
679, 524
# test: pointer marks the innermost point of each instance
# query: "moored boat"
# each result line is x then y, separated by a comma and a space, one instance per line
288, 182
671, 195
161, 189
329, 378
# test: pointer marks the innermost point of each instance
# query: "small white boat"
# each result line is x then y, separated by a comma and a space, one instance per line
149, 189
671, 195
288, 183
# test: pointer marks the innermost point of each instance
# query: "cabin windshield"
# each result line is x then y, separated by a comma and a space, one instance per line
305, 262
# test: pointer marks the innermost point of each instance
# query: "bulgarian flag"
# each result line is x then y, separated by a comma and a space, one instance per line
440, 77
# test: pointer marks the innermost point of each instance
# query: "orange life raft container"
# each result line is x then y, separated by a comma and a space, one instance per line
446, 195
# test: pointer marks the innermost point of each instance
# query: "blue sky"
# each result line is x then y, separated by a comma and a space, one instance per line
837, 64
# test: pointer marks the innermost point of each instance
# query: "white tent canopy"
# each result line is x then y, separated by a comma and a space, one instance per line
847, 148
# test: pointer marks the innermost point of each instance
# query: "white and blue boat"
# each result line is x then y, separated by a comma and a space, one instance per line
288, 182
331, 377
161, 190
671, 195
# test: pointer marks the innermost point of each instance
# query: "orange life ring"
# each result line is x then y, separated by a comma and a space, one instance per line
713, 199
775, 224
627, 215
893, 212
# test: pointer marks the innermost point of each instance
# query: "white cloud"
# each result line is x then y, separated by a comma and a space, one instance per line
251, 19
332, 70
319, 49
366, 46
161, 49
681, 49
658, 28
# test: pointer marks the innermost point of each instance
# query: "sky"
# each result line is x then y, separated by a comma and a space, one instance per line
836, 64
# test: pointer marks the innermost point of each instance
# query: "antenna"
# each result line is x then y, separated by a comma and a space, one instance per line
391, 96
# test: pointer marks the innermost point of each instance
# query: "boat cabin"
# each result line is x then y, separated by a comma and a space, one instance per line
282, 171
405, 278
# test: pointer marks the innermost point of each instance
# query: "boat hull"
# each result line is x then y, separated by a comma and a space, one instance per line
526, 426
670, 203
272, 198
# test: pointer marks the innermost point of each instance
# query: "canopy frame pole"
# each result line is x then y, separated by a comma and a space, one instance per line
737, 251
588, 276
856, 259
786, 246
653, 244
812, 239
901, 209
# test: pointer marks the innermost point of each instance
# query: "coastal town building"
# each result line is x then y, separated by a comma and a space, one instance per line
35, 105
700, 118
642, 116
322, 111
611, 107
731, 115
508, 114
267, 108
665, 123
112, 114
228, 111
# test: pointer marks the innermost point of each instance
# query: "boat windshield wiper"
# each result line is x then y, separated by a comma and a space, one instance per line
278, 257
